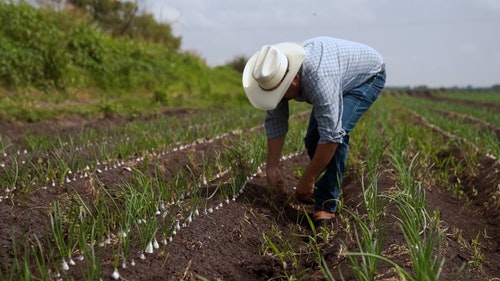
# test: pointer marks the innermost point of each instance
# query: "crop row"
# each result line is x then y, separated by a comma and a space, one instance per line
43, 160
476, 124
118, 216
150, 201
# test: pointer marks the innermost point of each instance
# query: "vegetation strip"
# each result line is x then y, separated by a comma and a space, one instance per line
450, 135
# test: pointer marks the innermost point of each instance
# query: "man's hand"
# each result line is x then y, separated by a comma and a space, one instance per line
323, 155
274, 179
274, 148
305, 190
305, 185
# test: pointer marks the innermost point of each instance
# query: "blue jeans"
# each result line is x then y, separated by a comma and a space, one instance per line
355, 103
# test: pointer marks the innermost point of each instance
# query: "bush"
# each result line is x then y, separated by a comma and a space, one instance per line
31, 52
65, 54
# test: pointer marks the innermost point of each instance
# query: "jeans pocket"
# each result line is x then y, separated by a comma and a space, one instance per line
378, 85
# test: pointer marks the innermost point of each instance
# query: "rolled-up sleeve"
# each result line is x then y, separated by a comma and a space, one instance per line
326, 97
276, 124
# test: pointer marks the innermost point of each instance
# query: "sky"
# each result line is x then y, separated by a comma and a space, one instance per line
434, 43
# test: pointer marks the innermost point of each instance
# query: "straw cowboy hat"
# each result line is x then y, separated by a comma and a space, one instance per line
269, 73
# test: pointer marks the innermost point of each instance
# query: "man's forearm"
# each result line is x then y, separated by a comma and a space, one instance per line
322, 156
274, 148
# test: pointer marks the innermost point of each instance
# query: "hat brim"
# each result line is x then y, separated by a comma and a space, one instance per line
268, 100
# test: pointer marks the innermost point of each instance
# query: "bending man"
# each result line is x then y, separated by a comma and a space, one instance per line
340, 79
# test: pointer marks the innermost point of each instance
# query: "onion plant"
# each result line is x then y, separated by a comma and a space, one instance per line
41, 258
478, 255
30, 262
94, 261
370, 234
11, 176
104, 217
58, 231
276, 245
316, 240
238, 168
422, 232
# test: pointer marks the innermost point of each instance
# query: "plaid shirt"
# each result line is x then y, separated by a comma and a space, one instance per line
331, 68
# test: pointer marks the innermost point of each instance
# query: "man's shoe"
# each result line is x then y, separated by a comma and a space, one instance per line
305, 198
321, 216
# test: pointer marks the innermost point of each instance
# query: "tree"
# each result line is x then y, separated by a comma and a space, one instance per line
122, 18
145, 26
112, 15
238, 63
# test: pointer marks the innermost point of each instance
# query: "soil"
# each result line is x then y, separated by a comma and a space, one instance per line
227, 244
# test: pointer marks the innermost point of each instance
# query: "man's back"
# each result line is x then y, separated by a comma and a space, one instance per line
349, 63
